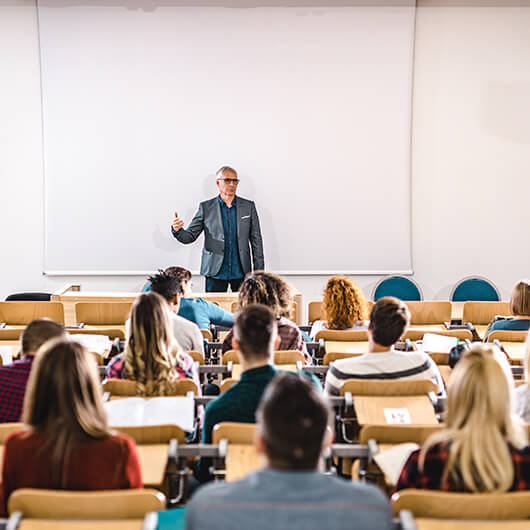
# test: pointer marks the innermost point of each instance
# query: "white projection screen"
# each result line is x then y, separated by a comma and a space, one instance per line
144, 101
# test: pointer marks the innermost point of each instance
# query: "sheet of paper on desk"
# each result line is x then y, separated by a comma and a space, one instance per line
137, 411
438, 343
94, 343
392, 460
6, 352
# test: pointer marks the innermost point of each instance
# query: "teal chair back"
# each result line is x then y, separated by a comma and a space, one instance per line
477, 289
398, 286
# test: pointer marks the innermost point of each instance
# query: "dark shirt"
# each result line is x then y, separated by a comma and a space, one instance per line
231, 267
13, 380
239, 403
435, 460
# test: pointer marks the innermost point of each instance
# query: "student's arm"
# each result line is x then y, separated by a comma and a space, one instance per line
219, 316
310, 378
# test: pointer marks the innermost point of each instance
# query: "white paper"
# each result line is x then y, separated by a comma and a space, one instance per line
397, 416
6, 352
137, 411
433, 342
94, 343
392, 460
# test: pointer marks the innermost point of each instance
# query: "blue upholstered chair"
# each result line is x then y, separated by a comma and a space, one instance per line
29, 297
398, 286
475, 288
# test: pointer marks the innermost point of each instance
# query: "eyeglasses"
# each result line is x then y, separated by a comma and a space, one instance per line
229, 181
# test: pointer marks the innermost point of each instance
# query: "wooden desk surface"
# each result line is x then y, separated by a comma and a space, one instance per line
51, 524
370, 409
452, 524
153, 462
241, 460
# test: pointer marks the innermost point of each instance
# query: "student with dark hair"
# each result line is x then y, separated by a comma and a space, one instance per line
291, 491
255, 339
66, 442
14, 377
198, 310
388, 322
273, 291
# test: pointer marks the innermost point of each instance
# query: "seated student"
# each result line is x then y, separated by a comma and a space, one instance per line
272, 291
481, 449
152, 357
522, 392
67, 443
198, 310
389, 319
291, 491
255, 339
187, 333
520, 308
14, 377
344, 307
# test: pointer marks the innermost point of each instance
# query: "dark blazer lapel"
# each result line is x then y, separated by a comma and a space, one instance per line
238, 214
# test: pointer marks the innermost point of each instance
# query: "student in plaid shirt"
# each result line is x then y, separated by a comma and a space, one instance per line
14, 377
481, 450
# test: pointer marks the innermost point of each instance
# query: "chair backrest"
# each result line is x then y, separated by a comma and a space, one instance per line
398, 286
449, 505
288, 357
207, 335
10, 333
197, 356
332, 356
507, 336
103, 313
230, 356
22, 313
112, 333
76, 505
7, 428
475, 288
429, 312
154, 434
335, 335
127, 387
241, 455
227, 383
314, 311
234, 432
397, 387
397, 434
418, 333
482, 313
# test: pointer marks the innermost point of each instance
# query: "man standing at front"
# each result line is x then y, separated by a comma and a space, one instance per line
231, 230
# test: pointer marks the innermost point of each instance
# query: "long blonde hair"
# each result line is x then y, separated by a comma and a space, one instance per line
151, 352
63, 401
479, 425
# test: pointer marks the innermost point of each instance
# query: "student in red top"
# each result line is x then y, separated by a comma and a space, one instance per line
14, 376
67, 443
481, 449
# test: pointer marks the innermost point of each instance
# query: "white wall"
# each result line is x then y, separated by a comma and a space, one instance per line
470, 151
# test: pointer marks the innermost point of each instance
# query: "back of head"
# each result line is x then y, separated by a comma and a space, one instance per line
166, 285
344, 303
389, 319
520, 299
151, 350
267, 289
182, 274
39, 331
479, 423
255, 329
63, 399
527, 359
292, 423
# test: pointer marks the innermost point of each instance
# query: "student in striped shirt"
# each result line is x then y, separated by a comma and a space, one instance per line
388, 321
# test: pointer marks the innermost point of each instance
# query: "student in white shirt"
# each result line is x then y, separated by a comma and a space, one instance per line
388, 321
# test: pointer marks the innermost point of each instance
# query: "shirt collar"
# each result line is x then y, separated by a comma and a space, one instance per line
258, 372
223, 203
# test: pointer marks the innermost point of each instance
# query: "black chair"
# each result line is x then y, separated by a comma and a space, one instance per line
29, 297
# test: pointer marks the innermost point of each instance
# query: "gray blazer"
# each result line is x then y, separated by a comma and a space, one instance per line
208, 218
